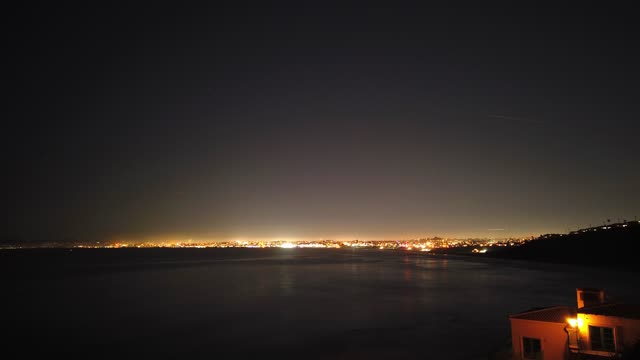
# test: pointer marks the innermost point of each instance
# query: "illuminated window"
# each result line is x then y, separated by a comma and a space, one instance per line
531, 348
602, 338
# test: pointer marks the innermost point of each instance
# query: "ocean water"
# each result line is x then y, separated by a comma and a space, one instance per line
276, 303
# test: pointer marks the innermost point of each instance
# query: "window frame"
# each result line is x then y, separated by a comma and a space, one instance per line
601, 344
528, 342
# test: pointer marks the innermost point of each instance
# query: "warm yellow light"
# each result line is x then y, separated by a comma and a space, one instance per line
573, 322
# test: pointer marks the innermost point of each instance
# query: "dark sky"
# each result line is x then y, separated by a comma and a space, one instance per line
322, 121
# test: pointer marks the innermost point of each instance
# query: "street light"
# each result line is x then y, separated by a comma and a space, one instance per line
575, 322
573, 334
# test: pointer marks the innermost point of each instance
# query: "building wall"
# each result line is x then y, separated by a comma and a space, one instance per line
553, 338
626, 331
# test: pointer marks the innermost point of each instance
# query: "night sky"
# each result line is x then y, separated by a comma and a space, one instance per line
308, 122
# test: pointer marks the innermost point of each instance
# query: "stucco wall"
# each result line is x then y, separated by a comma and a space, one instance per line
553, 338
626, 331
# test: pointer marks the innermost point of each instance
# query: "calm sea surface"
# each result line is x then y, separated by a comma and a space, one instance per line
276, 303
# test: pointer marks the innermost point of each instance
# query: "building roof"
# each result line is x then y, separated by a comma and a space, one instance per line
629, 311
556, 314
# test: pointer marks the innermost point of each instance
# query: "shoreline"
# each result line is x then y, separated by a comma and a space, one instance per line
479, 258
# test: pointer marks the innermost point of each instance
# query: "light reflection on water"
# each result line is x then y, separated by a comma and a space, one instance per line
320, 303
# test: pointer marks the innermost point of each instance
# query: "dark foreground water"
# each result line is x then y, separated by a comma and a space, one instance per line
275, 303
